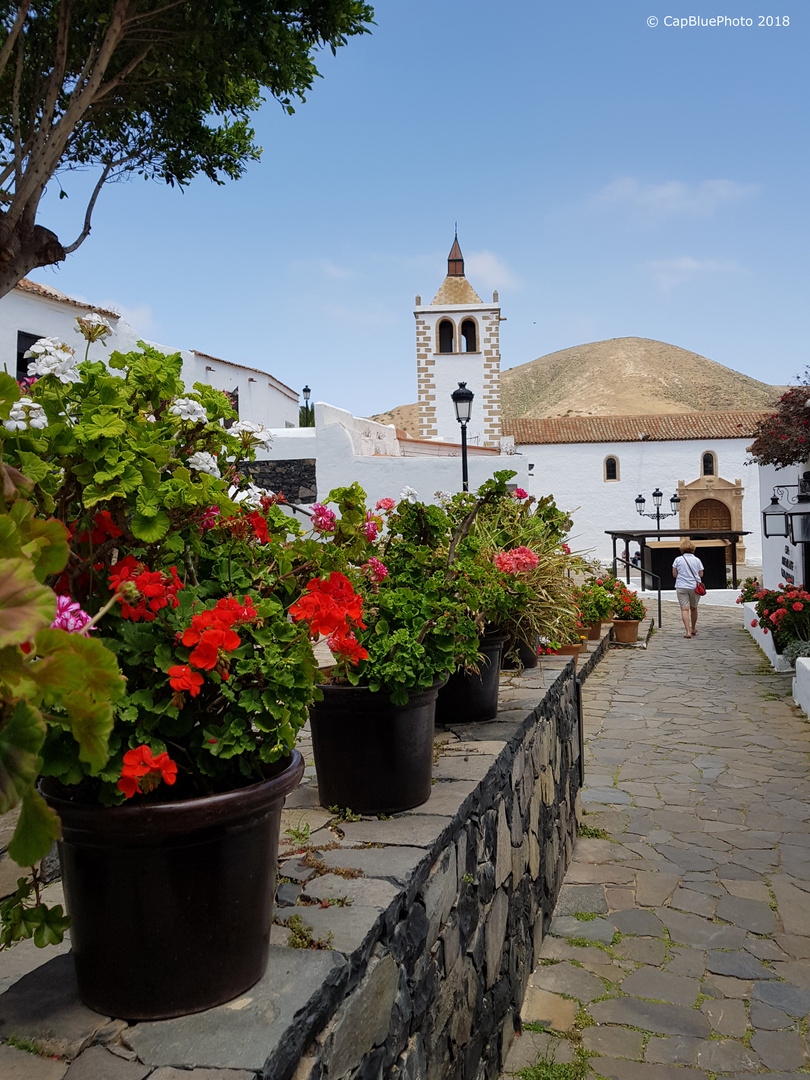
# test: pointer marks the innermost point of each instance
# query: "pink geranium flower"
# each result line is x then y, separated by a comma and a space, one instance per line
70, 617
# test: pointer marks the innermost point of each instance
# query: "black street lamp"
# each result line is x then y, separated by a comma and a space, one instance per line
306, 392
462, 402
657, 497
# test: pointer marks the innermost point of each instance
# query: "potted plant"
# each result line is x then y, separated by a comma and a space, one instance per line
373, 719
154, 552
523, 538
783, 612
595, 603
628, 611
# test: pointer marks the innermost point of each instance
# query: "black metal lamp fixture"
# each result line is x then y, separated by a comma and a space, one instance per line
306, 392
658, 498
774, 519
798, 518
462, 402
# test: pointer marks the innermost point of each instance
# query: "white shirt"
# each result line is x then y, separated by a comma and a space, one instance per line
688, 567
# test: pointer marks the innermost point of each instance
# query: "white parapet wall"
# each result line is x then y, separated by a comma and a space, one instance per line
764, 640
801, 684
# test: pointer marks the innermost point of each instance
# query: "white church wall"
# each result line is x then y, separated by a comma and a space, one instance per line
574, 474
781, 560
344, 449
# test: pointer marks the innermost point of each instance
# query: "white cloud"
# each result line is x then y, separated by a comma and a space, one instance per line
362, 315
668, 274
330, 269
672, 199
485, 269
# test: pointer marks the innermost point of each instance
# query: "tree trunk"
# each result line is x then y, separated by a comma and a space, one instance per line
22, 249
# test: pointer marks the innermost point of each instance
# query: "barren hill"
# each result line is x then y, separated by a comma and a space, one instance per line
626, 377
620, 377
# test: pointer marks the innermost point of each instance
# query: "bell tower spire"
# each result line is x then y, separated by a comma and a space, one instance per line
455, 260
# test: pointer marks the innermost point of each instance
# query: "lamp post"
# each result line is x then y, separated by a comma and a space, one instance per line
462, 402
657, 497
306, 392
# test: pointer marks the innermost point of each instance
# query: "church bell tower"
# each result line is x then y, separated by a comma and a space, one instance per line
458, 340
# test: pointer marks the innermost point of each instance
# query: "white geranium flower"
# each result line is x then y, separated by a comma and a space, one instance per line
16, 418
259, 434
251, 495
25, 413
53, 357
92, 326
444, 497
188, 409
409, 493
204, 463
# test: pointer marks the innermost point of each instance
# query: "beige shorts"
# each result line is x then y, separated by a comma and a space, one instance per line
687, 597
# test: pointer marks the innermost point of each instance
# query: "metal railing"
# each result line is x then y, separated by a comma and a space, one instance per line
630, 565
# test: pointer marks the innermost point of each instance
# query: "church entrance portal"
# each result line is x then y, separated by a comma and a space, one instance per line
710, 514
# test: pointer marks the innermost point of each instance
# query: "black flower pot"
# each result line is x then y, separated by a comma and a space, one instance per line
469, 697
171, 903
517, 654
371, 756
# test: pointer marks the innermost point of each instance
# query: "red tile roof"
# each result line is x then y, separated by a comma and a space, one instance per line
611, 429
47, 292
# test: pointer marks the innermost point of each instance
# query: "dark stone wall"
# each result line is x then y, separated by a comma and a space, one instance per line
295, 479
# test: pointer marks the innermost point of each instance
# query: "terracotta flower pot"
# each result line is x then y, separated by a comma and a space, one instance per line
172, 902
594, 631
625, 631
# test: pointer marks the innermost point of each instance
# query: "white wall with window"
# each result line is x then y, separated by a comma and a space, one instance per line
31, 311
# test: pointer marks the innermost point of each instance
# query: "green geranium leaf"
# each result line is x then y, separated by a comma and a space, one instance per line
150, 528
33, 466
52, 925
21, 738
37, 829
9, 393
26, 606
101, 426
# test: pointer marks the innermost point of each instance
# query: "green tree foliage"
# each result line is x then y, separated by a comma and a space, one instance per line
161, 88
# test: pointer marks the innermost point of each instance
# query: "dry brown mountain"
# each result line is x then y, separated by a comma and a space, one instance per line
619, 377
627, 377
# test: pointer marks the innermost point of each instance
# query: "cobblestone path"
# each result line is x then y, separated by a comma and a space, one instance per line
680, 946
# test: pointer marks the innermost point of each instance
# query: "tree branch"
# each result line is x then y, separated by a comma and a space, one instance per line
123, 74
8, 44
89, 213
154, 12
15, 115
57, 75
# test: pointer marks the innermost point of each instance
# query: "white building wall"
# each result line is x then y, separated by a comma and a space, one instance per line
781, 560
574, 474
348, 449
262, 398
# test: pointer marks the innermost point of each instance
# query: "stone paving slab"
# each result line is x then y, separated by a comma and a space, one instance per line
697, 766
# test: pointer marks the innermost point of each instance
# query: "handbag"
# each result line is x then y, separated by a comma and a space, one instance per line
700, 588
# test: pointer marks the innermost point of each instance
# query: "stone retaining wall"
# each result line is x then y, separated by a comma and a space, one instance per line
433, 921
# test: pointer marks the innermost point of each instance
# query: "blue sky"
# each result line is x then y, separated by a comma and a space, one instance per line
609, 178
